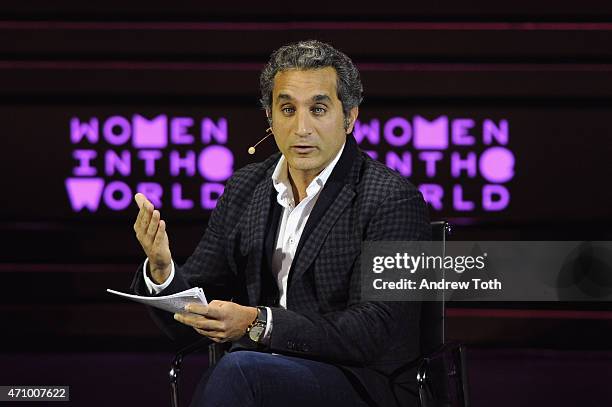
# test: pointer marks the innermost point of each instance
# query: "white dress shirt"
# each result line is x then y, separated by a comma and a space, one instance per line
292, 222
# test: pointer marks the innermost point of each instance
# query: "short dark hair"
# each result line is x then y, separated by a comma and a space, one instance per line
313, 54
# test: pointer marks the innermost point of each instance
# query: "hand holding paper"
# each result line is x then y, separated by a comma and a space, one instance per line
221, 321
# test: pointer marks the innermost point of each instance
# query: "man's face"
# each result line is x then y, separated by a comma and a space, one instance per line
307, 118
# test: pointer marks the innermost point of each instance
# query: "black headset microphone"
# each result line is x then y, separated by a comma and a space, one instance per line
252, 148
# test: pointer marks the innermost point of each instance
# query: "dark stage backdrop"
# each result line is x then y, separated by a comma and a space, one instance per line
499, 112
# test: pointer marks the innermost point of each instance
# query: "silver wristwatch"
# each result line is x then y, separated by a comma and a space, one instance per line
256, 329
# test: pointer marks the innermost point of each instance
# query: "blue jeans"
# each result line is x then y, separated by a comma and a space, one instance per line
249, 379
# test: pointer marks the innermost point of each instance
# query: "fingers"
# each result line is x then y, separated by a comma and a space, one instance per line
196, 308
143, 218
214, 335
146, 211
161, 238
215, 309
140, 199
200, 322
147, 222
153, 224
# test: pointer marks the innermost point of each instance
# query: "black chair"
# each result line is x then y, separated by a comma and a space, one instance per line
441, 371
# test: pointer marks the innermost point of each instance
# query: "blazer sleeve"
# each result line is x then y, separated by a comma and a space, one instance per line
362, 331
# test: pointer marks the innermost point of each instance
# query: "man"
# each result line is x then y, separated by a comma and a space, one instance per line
286, 237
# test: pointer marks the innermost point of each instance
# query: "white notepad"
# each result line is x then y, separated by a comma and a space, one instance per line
172, 303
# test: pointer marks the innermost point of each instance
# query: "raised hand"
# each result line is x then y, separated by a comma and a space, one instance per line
151, 233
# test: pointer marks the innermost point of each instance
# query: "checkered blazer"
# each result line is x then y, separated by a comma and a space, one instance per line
325, 317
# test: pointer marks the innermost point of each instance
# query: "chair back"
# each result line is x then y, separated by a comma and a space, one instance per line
432, 312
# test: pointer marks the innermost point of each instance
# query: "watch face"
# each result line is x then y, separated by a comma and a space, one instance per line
256, 332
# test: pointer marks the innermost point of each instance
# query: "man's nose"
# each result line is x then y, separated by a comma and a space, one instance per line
303, 123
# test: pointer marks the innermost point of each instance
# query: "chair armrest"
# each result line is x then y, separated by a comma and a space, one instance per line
215, 351
177, 362
444, 350
433, 374
438, 353
193, 347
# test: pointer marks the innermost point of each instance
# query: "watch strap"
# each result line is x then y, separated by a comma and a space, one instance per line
259, 321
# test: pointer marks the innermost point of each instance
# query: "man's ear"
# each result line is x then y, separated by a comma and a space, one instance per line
269, 117
350, 120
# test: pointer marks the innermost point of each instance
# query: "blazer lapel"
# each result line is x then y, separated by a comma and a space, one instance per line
312, 243
335, 196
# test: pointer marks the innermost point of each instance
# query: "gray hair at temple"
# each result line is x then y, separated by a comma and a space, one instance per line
313, 54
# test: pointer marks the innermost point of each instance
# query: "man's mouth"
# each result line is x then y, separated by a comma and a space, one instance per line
303, 149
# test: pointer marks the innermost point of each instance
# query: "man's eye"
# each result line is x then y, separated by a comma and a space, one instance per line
318, 110
287, 110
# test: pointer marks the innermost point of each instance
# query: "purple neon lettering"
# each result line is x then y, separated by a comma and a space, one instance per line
404, 131
117, 130
458, 202
84, 193
373, 154
150, 133
430, 135
402, 165
491, 131
153, 191
433, 195
467, 164
178, 202
430, 158
216, 163
495, 197
496, 164
149, 157
117, 195
179, 130
178, 163
211, 192
460, 132
212, 131
84, 169
369, 132
114, 162
80, 130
